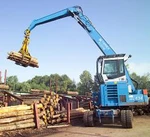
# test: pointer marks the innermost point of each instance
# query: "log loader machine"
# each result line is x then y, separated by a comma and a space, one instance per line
117, 95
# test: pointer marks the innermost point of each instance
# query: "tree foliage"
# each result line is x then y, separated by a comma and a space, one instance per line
86, 82
143, 81
12, 81
54, 82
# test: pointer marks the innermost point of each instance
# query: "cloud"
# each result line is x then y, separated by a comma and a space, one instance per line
139, 68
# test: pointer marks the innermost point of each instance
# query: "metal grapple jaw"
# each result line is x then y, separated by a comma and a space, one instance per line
23, 57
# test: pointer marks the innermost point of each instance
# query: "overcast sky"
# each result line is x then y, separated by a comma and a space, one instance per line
63, 47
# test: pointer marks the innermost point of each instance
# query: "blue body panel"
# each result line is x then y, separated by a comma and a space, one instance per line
114, 94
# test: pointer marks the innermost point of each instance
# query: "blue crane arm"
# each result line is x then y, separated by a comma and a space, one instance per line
77, 13
49, 18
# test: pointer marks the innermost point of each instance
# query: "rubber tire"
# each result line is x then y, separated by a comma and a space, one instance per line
129, 119
85, 118
90, 119
123, 118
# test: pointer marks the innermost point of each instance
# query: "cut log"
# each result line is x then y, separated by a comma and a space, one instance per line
14, 119
56, 116
25, 121
72, 93
16, 113
15, 126
10, 109
14, 108
19, 125
58, 126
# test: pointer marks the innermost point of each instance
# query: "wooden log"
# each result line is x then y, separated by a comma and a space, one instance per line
77, 113
35, 90
42, 100
56, 116
13, 119
10, 109
58, 120
57, 126
24, 121
14, 108
15, 126
39, 106
51, 108
63, 115
16, 113
59, 112
20, 125
52, 121
72, 93
39, 91
64, 119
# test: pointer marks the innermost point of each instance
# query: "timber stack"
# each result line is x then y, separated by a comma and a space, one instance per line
23, 60
42, 113
25, 116
49, 113
17, 117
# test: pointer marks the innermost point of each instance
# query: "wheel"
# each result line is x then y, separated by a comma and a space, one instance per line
90, 119
129, 118
123, 118
85, 120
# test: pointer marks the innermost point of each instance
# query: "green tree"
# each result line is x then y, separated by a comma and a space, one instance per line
65, 83
73, 86
25, 87
12, 82
143, 81
86, 82
55, 82
39, 82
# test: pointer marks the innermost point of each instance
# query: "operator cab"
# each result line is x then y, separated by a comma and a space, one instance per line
111, 68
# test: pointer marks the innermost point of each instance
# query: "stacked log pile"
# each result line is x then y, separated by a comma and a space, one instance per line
23, 60
49, 113
17, 117
44, 112
24, 116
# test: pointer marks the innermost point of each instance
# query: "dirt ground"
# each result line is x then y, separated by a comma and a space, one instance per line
141, 129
